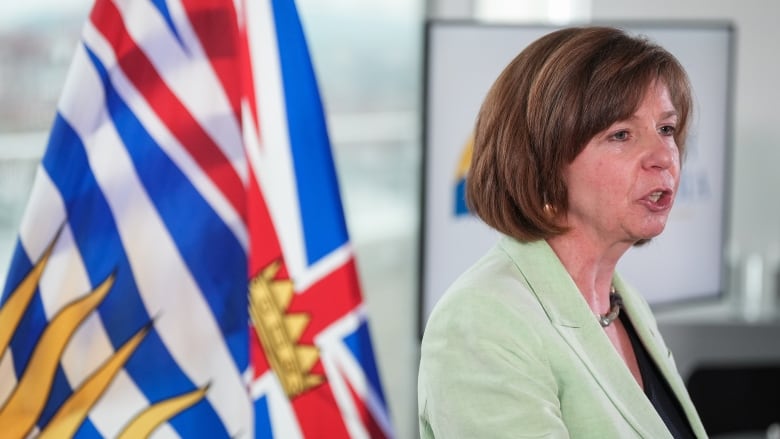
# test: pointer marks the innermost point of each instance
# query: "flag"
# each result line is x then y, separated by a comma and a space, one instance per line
183, 266
314, 373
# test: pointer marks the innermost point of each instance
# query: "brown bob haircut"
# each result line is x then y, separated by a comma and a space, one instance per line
544, 108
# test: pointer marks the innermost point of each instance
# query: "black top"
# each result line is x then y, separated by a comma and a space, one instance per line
657, 389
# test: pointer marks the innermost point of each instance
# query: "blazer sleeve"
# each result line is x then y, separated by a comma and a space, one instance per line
484, 373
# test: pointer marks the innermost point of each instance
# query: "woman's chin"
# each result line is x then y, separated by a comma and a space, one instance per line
651, 229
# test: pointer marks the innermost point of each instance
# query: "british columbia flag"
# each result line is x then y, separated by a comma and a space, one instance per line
183, 268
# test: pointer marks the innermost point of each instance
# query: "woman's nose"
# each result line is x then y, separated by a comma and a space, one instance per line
662, 152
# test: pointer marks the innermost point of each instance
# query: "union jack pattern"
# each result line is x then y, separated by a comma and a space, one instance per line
183, 267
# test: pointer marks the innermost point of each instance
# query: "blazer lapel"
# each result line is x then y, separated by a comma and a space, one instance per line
573, 319
653, 342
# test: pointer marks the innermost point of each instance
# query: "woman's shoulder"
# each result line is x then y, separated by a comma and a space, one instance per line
483, 349
491, 296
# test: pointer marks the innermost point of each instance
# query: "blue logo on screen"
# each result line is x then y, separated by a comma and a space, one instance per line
460, 208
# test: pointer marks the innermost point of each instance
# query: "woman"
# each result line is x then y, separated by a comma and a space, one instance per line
576, 158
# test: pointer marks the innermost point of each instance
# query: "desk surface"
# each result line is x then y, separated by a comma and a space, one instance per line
720, 334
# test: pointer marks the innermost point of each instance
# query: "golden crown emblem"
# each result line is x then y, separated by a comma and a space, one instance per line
280, 332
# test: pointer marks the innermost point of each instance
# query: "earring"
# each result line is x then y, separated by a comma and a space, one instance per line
548, 209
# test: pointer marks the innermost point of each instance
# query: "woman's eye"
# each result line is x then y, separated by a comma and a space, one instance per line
620, 135
667, 130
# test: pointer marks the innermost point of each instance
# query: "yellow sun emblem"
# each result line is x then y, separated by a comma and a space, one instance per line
22, 409
279, 332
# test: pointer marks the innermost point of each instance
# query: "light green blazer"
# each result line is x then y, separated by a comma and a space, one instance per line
513, 351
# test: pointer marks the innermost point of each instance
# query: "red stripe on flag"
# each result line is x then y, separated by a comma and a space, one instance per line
247, 79
328, 300
175, 115
318, 414
214, 21
264, 247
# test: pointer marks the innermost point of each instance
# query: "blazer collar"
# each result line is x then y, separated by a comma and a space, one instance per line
570, 315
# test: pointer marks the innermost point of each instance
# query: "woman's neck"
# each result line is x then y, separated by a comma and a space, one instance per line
590, 264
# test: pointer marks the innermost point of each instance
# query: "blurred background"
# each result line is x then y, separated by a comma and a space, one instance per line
369, 58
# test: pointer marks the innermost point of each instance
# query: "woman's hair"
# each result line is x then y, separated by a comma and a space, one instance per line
546, 105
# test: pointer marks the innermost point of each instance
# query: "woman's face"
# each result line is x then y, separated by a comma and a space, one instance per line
622, 185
